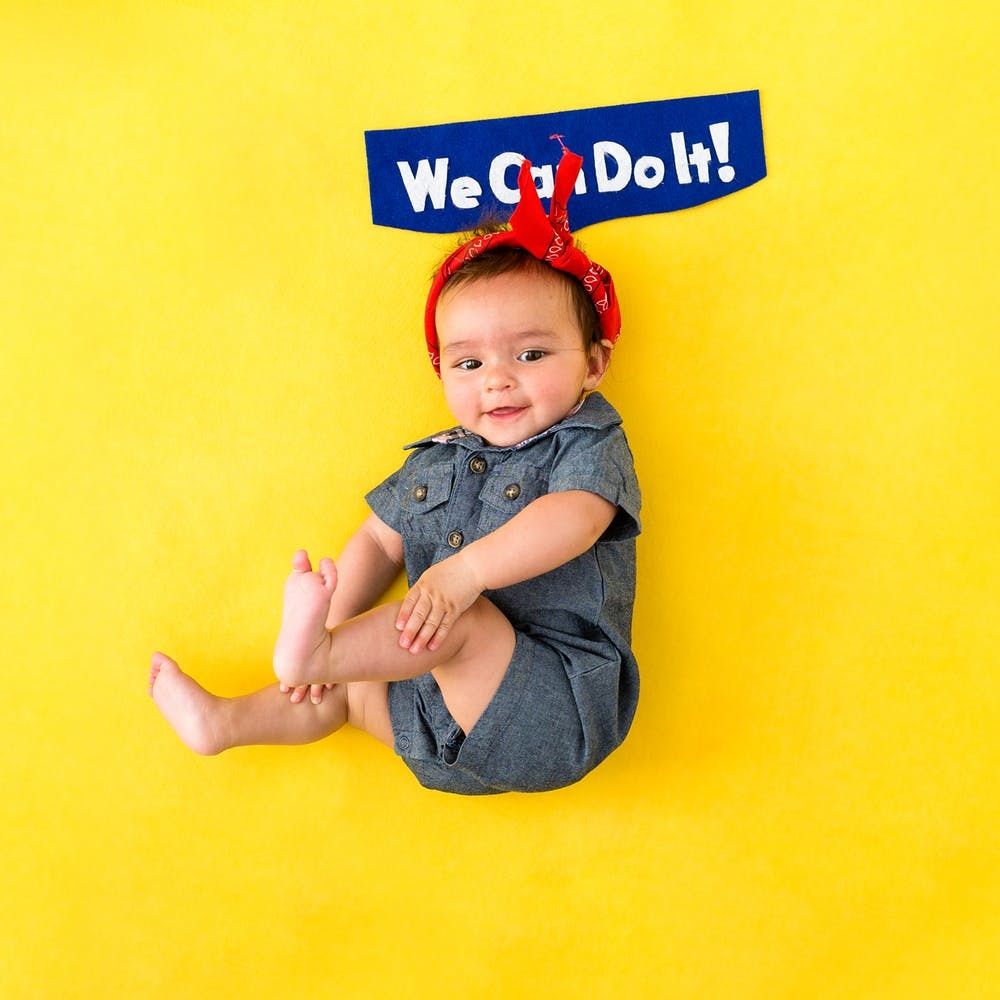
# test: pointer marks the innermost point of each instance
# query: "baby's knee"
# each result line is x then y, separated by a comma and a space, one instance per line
482, 626
485, 616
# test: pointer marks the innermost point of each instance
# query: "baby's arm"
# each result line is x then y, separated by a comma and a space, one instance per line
550, 531
369, 564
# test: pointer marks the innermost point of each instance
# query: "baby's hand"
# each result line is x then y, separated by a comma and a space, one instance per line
298, 693
435, 602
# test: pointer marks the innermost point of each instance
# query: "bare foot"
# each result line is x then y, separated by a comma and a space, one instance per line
301, 654
187, 706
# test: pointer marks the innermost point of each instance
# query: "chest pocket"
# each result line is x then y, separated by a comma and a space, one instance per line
509, 489
426, 490
424, 500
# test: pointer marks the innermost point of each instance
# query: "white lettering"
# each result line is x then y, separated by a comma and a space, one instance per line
617, 152
615, 167
680, 158
699, 158
424, 183
543, 174
649, 171
465, 192
498, 170
720, 139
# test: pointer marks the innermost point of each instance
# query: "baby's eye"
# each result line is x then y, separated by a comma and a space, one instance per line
532, 355
468, 365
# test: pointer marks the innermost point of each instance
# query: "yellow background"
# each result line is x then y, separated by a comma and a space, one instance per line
209, 354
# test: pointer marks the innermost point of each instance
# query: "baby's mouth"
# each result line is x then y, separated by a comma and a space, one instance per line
505, 412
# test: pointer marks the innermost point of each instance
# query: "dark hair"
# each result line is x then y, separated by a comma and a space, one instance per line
503, 260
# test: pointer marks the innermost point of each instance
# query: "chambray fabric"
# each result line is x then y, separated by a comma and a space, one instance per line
571, 689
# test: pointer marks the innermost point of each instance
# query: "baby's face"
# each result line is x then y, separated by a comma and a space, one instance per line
513, 361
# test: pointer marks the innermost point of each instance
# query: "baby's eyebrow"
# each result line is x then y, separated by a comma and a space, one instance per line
456, 346
463, 346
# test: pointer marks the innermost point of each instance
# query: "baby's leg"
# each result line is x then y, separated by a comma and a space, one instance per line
208, 724
469, 664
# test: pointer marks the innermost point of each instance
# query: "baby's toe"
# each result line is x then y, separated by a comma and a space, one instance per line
328, 571
158, 662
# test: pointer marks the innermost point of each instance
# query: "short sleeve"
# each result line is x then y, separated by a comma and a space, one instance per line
600, 461
384, 502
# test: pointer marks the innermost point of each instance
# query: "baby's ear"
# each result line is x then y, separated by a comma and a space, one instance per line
597, 363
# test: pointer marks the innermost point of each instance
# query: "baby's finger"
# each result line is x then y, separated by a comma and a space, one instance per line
440, 635
406, 609
316, 693
299, 693
426, 634
415, 622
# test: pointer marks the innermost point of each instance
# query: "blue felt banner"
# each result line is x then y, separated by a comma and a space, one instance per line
638, 159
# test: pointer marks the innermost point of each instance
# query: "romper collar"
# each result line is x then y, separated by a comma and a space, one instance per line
594, 412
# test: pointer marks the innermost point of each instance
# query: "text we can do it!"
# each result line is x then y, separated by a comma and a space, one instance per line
613, 166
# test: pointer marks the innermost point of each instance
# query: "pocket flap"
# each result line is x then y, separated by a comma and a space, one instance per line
426, 489
512, 487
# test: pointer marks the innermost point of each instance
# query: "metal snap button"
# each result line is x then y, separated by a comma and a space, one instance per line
419, 492
512, 492
404, 742
478, 465
455, 539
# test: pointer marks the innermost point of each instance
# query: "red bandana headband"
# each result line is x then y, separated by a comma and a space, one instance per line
546, 237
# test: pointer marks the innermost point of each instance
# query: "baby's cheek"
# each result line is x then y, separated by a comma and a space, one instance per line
560, 394
456, 398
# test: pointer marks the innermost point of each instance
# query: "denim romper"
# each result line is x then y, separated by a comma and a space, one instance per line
571, 689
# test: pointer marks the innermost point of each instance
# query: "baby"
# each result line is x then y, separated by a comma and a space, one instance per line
507, 666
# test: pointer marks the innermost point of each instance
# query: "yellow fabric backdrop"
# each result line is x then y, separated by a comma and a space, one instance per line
200, 375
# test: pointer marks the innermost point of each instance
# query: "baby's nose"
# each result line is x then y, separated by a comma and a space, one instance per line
499, 377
